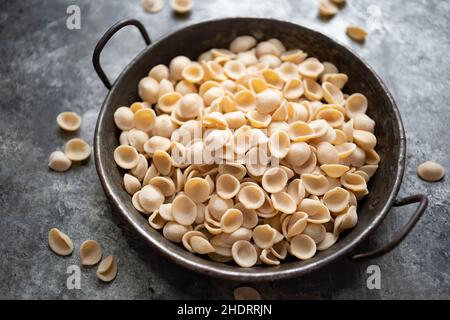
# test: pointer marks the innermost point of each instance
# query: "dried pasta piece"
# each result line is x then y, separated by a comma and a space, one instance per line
364, 139
268, 101
331, 93
242, 44
327, 153
345, 221
283, 202
329, 240
58, 161
131, 184
164, 184
264, 236
231, 220
356, 104
431, 171
144, 119
310, 68
184, 210
159, 72
107, 269
296, 190
334, 170
59, 242
69, 121
152, 6
234, 69
251, 196
279, 144
272, 78
162, 162
268, 258
327, 8
217, 206
245, 100
148, 90
227, 186
337, 79
315, 184
90, 253
363, 122
293, 89
300, 131
274, 180
336, 199
303, 247
193, 72
77, 149
353, 182
312, 90
244, 253
150, 198
356, 33
197, 189
316, 232
298, 154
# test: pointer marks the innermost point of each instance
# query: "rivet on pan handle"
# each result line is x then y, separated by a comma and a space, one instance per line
104, 40
423, 203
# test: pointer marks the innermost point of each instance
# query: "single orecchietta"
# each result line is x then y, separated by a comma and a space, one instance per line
181, 6
252, 153
59, 242
90, 253
431, 171
58, 161
69, 121
152, 6
107, 269
77, 149
356, 33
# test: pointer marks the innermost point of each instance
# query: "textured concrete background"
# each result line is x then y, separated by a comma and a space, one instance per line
46, 69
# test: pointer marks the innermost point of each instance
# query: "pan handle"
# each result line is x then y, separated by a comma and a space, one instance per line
423, 203
104, 40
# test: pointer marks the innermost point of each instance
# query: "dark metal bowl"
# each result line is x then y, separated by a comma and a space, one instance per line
195, 39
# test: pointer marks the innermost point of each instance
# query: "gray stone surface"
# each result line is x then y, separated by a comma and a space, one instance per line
46, 69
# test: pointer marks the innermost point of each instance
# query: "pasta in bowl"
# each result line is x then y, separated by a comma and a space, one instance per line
254, 148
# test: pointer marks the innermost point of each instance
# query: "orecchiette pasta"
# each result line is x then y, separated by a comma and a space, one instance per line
248, 154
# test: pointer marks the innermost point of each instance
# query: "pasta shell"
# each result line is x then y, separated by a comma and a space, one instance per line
214, 71
218, 206
320, 127
279, 250
166, 86
353, 182
150, 198
332, 116
296, 224
131, 184
156, 221
317, 212
312, 90
345, 150
334, 170
151, 173
159, 72
283, 202
329, 240
356, 104
185, 87
236, 170
251, 196
231, 220
337, 79
162, 162
190, 106
345, 221
184, 210
317, 232
266, 47
77, 149
308, 166
298, 154
174, 232
258, 120
244, 253
58, 161
356, 33
279, 144
126, 157
300, 131
242, 44
137, 138
331, 93
273, 78
369, 169
70, 121
336, 199
164, 126
136, 204
250, 218
234, 69
186, 239
164, 184
270, 60
268, 258
90, 253
315, 184
248, 58
193, 72
241, 140
176, 67
364, 139
227, 186
296, 190
144, 119
157, 143
327, 153
245, 100
289, 71
295, 56
372, 157
165, 212
197, 189
107, 269
303, 247
257, 84
148, 90
281, 113
268, 101
310, 68
59, 242
168, 102
274, 180
341, 137
363, 122
235, 119
264, 236
293, 89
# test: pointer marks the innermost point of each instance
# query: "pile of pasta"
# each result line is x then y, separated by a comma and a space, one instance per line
249, 154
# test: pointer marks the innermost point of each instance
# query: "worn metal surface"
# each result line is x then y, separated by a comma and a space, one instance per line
47, 69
